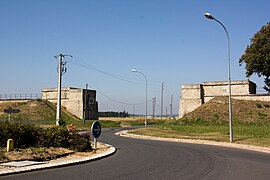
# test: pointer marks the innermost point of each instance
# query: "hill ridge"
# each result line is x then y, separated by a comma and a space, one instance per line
242, 111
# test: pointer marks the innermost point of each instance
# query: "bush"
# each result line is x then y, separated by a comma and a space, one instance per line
5, 133
79, 143
22, 134
62, 122
56, 136
26, 135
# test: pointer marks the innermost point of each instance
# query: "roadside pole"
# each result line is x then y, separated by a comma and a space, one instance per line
58, 109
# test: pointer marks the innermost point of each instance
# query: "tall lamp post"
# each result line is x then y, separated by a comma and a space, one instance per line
136, 71
209, 16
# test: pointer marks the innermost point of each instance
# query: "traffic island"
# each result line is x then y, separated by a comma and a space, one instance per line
103, 150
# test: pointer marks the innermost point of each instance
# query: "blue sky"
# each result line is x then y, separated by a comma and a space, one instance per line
169, 41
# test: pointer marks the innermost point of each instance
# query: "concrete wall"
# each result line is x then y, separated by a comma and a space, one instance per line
194, 95
221, 88
191, 98
75, 100
255, 97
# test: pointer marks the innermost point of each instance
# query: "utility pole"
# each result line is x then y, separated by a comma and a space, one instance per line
154, 106
133, 110
85, 104
161, 110
171, 106
61, 70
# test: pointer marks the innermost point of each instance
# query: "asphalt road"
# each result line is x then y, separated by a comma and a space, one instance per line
138, 159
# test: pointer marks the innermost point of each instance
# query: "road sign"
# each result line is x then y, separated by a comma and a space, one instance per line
96, 129
9, 111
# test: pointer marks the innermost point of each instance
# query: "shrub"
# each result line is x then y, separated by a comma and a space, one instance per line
261, 114
56, 136
22, 134
5, 133
79, 143
26, 135
62, 122
71, 128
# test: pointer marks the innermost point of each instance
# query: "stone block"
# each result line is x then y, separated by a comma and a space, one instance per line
10, 145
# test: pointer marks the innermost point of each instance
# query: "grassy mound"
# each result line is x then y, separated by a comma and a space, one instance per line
216, 111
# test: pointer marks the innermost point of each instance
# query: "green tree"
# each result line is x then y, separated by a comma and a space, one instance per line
257, 56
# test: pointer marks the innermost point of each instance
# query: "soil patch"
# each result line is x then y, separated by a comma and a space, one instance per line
50, 155
34, 154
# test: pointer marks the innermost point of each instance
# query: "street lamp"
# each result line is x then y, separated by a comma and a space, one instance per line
136, 71
209, 16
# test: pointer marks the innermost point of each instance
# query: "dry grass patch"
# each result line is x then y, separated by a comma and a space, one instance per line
34, 154
243, 111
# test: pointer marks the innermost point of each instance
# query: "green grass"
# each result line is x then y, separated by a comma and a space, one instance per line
88, 123
43, 113
77, 123
141, 122
257, 135
253, 132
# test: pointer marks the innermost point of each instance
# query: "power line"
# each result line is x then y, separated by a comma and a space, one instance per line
79, 62
100, 71
112, 99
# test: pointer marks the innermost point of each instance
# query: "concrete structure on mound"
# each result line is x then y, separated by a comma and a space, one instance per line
80, 102
194, 95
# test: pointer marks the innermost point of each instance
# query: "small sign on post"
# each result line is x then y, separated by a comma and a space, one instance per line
96, 131
9, 111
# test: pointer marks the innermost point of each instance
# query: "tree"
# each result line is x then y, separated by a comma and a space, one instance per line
257, 56
113, 114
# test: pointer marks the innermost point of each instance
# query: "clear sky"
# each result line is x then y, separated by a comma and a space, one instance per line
169, 41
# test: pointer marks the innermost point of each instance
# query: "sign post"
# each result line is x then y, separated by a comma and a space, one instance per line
96, 131
9, 111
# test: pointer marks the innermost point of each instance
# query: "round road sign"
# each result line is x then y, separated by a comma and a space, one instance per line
96, 129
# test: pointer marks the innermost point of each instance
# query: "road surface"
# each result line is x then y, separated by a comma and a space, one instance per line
137, 159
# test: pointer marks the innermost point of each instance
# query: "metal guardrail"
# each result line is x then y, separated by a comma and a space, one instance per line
5, 97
